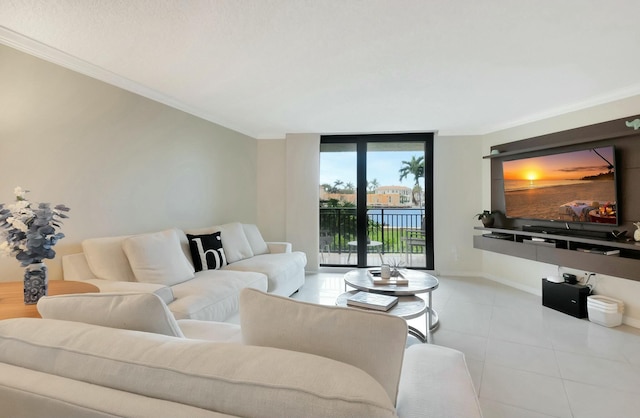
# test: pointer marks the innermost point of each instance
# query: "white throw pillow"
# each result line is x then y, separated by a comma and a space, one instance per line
200, 231
234, 241
107, 259
372, 341
135, 311
158, 258
184, 244
257, 243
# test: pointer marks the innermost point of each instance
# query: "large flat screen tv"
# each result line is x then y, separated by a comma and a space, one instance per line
575, 186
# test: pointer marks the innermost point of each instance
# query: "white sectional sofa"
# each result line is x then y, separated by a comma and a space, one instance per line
162, 263
104, 355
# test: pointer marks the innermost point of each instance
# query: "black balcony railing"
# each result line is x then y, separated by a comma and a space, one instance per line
386, 225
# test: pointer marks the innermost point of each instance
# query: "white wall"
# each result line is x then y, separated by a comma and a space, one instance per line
527, 274
302, 213
122, 163
287, 182
272, 196
457, 197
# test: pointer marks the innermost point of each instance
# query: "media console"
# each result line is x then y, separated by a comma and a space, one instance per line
568, 248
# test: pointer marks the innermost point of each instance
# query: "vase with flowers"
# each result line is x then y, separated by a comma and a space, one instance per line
395, 264
28, 232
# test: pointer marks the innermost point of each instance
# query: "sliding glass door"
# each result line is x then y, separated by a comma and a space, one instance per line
338, 204
376, 200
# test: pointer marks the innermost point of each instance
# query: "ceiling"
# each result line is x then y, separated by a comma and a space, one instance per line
271, 67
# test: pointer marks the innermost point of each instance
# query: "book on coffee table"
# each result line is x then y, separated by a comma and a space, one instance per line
372, 301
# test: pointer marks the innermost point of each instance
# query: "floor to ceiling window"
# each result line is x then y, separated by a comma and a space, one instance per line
376, 200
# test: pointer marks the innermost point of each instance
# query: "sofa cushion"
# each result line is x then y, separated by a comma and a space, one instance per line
158, 258
213, 295
135, 311
280, 268
233, 379
327, 331
451, 395
206, 251
257, 243
234, 241
107, 259
270, 264
222, 332
184, 243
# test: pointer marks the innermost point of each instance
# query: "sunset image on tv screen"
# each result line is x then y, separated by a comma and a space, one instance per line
577, 186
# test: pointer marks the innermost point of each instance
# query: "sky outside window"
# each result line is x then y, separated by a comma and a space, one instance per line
383, 166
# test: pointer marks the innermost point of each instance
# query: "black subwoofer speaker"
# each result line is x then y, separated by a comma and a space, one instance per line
564, 297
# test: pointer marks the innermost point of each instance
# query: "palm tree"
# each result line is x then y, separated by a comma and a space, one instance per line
336, 184
414, 167
349, 187
373, 185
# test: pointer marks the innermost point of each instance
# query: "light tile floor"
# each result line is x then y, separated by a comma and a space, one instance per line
526, 361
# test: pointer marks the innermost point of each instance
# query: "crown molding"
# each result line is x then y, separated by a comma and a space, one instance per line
37, 49
621, 94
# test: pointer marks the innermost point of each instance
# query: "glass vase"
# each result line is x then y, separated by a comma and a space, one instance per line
36, 283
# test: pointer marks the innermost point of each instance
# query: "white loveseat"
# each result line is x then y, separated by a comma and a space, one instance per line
162, 263
323, 361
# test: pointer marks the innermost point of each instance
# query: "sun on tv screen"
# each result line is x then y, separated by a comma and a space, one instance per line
575, 186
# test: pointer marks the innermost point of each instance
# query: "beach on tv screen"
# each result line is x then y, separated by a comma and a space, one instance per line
576, 186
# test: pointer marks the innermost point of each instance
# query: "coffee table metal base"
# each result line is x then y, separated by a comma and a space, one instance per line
434, 325
408, 307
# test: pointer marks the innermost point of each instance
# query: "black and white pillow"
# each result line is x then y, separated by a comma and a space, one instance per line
206, 251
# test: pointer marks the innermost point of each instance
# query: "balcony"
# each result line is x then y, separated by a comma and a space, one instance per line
393, 233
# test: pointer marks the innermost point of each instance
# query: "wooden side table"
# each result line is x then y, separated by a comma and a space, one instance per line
12, 297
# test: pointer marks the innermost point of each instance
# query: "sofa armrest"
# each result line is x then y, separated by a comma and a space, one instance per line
279, 247
76, 268
435, 382
109, 286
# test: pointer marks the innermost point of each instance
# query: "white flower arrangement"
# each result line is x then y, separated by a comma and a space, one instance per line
30, 230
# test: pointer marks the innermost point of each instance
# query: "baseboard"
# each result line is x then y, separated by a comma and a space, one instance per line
453, 273
632, 322
493, 278
533, 290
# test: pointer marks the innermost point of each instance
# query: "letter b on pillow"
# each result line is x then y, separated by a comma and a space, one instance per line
206, 251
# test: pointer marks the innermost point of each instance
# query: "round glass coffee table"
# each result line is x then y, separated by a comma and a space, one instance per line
408, 306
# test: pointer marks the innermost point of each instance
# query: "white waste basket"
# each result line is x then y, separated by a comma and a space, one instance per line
604, 310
